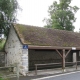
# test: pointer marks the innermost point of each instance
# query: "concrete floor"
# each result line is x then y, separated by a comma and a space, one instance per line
53, 71
46, 73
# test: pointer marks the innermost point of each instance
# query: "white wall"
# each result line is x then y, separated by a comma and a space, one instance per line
14, 49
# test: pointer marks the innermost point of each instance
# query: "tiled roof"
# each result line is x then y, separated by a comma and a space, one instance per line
40, 36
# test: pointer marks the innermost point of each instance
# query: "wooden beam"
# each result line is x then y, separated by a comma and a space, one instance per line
59, 53
63, 59
50, 47
67, 53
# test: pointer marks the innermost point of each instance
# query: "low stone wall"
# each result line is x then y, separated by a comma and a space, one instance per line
2, 59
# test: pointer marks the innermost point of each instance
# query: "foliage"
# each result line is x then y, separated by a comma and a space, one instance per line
62, 15
1, 78
2, 43
8, 9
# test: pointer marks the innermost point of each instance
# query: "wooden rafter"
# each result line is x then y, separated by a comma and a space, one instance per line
67, 53
59, 53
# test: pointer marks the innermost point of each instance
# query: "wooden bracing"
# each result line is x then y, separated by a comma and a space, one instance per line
63, 56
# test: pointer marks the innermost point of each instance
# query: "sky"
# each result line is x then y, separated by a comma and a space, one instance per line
34, 11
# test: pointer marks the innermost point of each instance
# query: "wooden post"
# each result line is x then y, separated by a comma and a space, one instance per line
76, 62
35, 69
63, 60
76, 65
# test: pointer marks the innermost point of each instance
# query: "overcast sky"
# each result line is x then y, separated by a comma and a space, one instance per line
34, 11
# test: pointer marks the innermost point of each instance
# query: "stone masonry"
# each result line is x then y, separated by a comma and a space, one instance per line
2, 59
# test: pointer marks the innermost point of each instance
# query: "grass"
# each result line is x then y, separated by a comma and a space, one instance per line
3, 79
2, 43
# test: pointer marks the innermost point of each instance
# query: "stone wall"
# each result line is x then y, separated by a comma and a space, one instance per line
15, 51
13, 48
2, 59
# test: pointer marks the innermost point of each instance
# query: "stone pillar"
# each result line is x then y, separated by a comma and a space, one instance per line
74, 57
24, 61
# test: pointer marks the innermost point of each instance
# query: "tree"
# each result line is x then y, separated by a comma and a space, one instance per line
8, 9
62, 15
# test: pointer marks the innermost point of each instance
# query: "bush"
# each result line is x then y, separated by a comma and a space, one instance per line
2, 42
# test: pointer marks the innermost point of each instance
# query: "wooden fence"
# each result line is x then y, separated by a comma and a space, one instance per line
67, 63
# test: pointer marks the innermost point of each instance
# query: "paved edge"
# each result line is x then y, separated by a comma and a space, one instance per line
55, 76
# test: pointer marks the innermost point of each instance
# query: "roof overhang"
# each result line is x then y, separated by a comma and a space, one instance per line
52, 47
